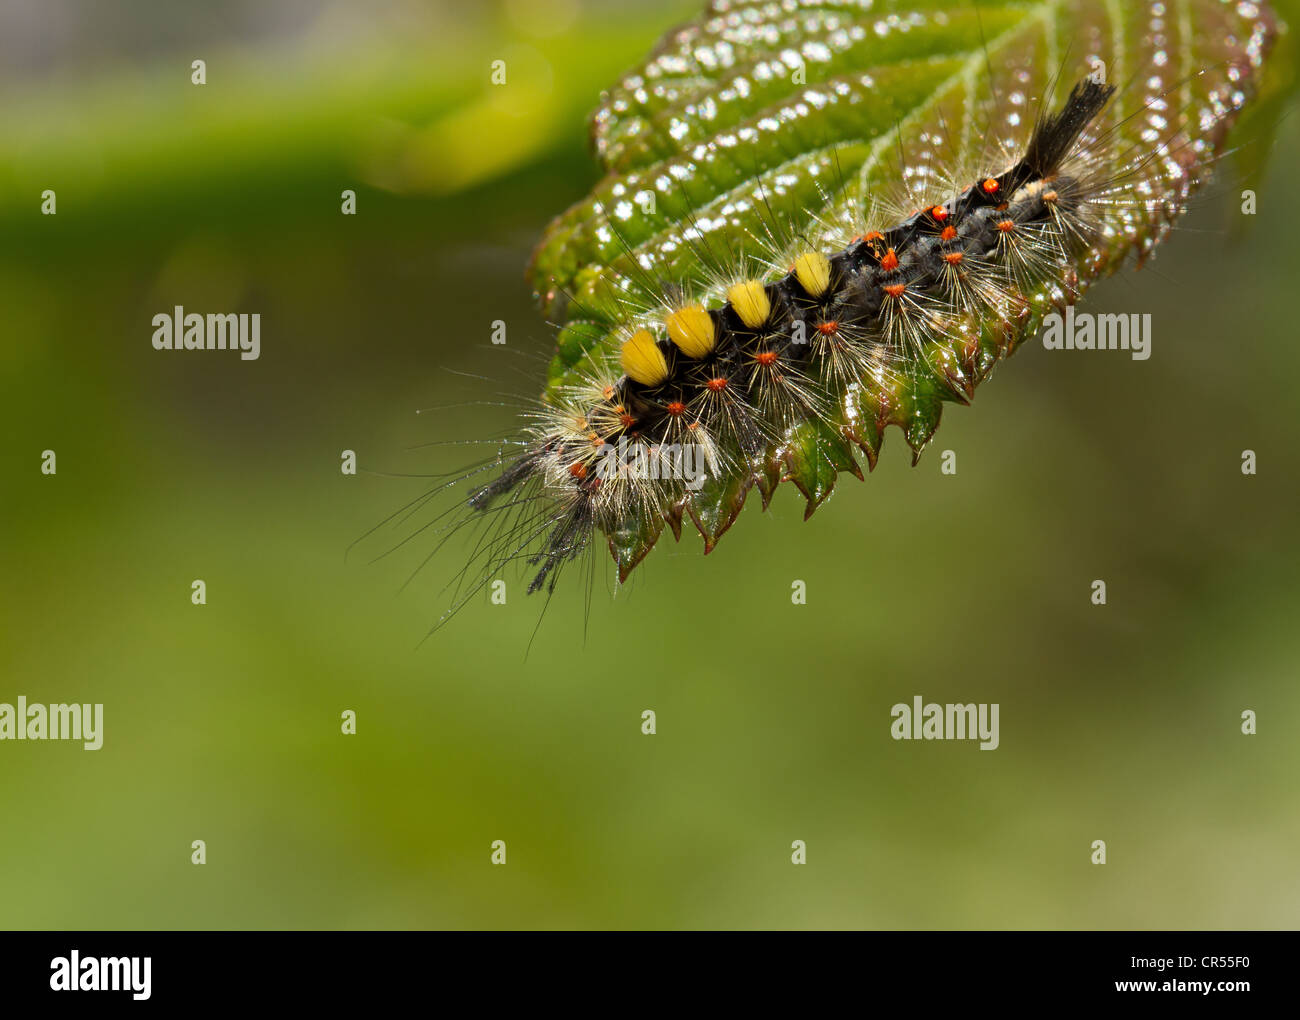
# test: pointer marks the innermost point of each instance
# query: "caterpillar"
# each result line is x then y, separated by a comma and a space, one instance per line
678, 392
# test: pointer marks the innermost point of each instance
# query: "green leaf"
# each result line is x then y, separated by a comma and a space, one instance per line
803, 116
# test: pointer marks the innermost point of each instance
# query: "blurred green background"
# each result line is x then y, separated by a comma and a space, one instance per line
223, 721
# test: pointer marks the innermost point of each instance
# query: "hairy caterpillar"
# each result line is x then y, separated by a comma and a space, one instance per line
678, 388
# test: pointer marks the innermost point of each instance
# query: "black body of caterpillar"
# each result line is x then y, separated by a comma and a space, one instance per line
748, 361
